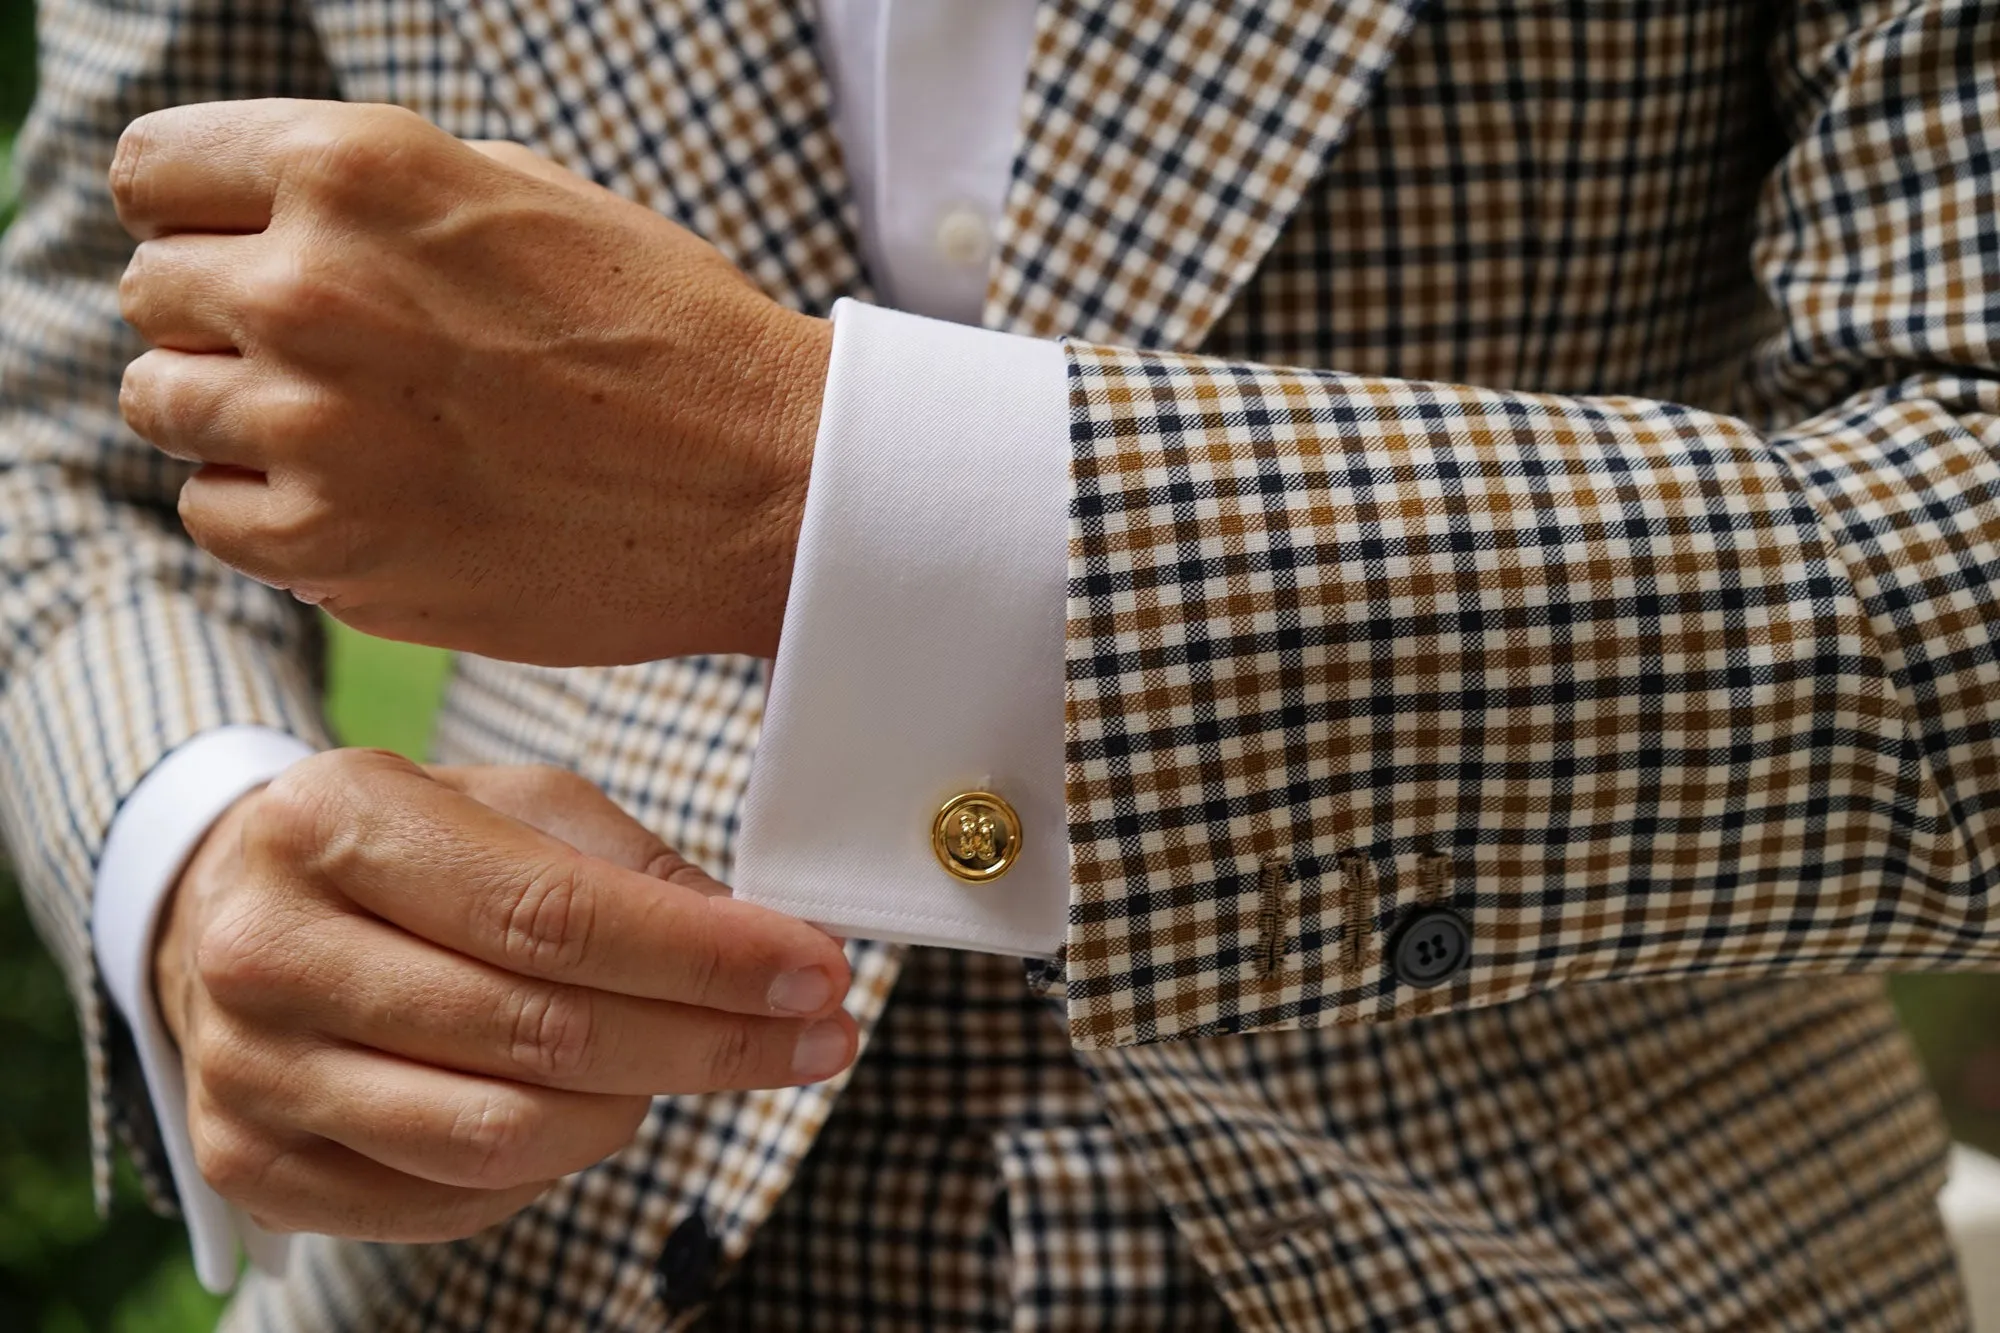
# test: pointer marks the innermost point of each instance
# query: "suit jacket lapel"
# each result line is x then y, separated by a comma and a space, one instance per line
1164, 145
717, 114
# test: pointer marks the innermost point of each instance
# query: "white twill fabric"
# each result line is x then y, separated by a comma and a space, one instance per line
1535, 458
920, 685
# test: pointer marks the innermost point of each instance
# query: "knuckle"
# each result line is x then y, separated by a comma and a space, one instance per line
489, 1138
551, 1031
231, 1070
227, 1155
296, 816
135, 285
243, 956
303, 532
138, 396
281, 1224
172, 409
702, 963
388, 120
300, 416
357, 150
196, 519
521, 158
127, 175
218, 525
507, 151
366, 609
732, 1055
338, 801
361, 768
329, 158
546, 925
669, 865
562, 781
291, 294
207, 523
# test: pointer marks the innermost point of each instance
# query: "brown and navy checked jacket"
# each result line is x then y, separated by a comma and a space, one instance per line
1533, 458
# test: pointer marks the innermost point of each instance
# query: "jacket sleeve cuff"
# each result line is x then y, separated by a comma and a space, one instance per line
155, 832
922, 649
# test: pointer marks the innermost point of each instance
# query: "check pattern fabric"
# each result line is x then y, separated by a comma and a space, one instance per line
1536, 457
970, 1180
1667, 690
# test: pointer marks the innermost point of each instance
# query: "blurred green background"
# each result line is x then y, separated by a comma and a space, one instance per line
62, 1269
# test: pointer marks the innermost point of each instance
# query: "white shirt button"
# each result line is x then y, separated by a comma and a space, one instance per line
963, 238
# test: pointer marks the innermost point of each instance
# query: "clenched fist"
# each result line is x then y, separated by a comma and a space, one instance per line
458, 395
408, 999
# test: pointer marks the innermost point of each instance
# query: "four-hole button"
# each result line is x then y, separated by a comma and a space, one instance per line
1430, 948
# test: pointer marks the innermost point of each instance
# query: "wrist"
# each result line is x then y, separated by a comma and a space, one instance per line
781, 398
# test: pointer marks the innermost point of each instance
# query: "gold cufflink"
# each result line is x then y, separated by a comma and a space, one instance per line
976, 836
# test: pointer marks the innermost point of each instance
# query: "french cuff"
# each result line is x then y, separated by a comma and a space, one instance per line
921, 657
155, 832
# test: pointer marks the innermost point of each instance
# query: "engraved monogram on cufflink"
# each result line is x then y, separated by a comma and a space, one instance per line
976, 836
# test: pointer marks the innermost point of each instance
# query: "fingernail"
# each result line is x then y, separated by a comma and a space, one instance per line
805, 991
821, 1051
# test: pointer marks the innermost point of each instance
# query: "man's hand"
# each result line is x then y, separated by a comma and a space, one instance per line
403, 1010
458, 395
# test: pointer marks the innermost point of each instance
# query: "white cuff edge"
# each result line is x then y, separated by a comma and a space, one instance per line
155, 831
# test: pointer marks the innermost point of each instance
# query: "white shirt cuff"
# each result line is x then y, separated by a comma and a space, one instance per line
155, 832
922, 650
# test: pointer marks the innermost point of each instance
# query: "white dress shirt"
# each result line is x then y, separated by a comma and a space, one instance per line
921, 653
922, 649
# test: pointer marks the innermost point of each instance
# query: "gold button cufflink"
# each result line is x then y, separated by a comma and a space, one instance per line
976, 836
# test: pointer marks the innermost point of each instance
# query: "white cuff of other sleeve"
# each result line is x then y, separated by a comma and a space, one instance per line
922, 648
155, 832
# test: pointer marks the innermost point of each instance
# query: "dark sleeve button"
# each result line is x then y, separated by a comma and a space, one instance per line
684, 1274
1432, 946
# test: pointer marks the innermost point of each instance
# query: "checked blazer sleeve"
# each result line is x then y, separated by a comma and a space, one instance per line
1636, 690
119, 640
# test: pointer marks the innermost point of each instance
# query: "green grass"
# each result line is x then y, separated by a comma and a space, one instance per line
6, 180
381, 693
